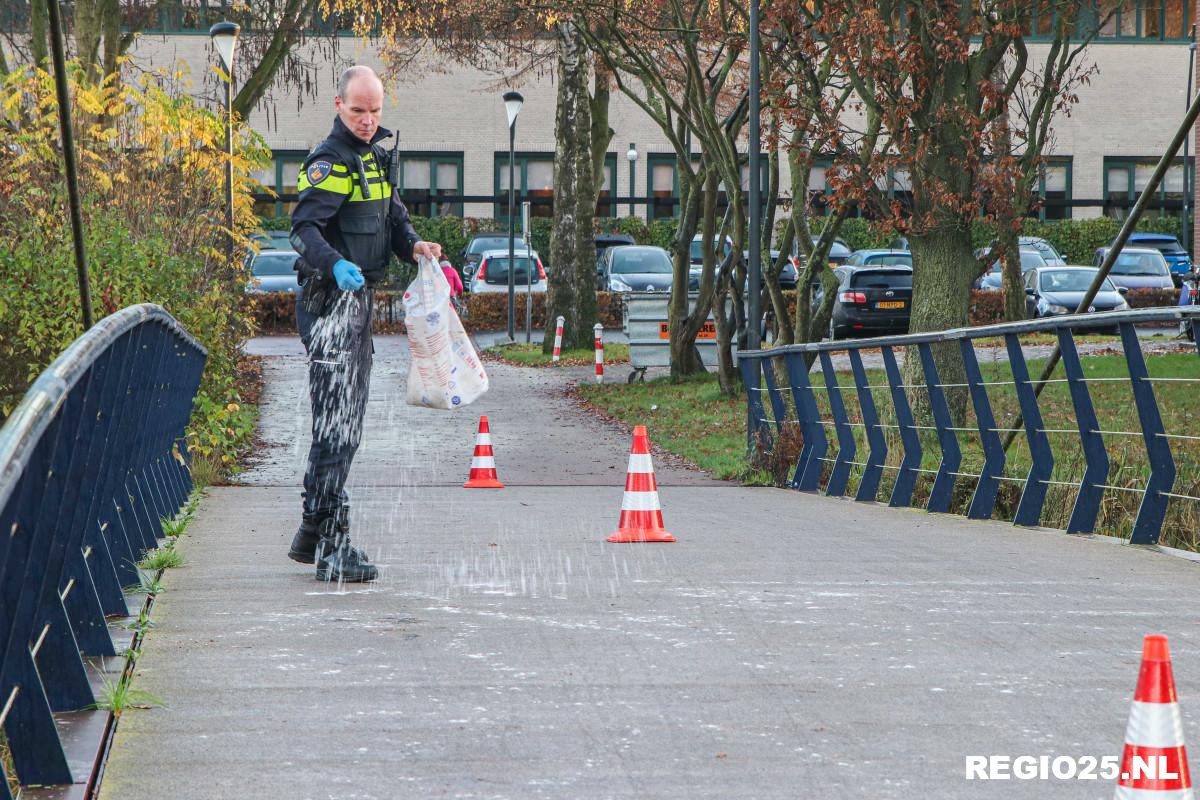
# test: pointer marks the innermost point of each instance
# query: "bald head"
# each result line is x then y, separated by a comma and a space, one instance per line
359, 101
354, 73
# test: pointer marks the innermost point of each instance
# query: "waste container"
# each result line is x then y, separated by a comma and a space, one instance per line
645, 318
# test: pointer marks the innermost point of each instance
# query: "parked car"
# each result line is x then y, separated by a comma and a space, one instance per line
481, 243
636, 268
492, 272
1047, 251
839, 251
1053, 290
696, 259
696, 251
788, 274
993, 279
1138, 268
880, 258
274, 271
1178, 260
871, 301
604, 241
271, 240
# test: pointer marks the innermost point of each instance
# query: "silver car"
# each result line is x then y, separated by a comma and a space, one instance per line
492, 272
274, 271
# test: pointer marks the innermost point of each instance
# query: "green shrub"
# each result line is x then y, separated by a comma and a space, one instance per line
630, 226
662, 232
153, 196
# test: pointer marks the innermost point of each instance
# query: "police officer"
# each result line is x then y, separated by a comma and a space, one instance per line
345, 227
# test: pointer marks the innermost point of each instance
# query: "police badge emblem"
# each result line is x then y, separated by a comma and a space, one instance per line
318, 171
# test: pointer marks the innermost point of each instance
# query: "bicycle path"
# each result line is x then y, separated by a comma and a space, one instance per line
788, 646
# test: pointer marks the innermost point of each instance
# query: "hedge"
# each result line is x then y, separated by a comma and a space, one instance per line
987, 307
275, 312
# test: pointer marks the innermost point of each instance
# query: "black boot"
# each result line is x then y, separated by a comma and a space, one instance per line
336, 559
304, 543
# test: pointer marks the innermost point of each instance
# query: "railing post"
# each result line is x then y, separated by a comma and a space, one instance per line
778, 406
839, 476
1087, 502
1029, 509
906, 477
983, 501
942, 492
1148, 526
868, 486
756, 427
808, 469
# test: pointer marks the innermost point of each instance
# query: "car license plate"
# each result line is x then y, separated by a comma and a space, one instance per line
890, 304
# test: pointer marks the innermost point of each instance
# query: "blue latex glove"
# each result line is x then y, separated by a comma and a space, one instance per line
348, 276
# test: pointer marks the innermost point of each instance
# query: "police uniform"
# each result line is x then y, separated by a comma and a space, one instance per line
347, 210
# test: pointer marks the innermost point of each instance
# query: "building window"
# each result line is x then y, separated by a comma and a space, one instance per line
534, 174
1161, 20
1126, 178
662, 187
424, 177
1054, 189
280, 176
605, 207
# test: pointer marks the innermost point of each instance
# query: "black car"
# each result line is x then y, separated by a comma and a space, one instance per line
871, 301
481, 243
787, 274
839, 252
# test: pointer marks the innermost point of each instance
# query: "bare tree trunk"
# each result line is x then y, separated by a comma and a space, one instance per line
684, 326
1014, 285
572, 283
39, 42
940, 279
1007, 222
601, 133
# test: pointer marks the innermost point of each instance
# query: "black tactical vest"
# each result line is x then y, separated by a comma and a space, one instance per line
361, 231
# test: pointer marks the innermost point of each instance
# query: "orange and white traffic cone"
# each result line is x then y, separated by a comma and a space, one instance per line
641, 515
1154, 765
483, 465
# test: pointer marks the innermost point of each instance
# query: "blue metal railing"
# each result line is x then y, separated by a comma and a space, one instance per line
90, 461
815, 468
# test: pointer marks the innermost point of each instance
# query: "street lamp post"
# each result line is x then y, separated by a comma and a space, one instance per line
512, 107
632, 156
755, 271
1185, 234
224, 37
69, 161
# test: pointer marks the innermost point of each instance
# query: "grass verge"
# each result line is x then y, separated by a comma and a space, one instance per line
692, 419
531, 355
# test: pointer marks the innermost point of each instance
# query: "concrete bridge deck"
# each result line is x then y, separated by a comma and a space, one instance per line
788, 646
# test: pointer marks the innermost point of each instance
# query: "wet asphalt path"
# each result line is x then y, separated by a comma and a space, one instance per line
788, 646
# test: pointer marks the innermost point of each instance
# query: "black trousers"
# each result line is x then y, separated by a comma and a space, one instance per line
339, 378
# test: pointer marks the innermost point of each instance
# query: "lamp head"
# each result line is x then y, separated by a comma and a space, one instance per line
224, 36
512, 106
632, 153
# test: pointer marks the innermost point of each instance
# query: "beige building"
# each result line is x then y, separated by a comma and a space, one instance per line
454, 136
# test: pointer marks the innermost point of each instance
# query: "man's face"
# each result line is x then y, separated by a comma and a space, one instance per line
360, 107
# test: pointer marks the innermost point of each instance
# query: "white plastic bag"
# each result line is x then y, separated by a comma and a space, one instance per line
445, 371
